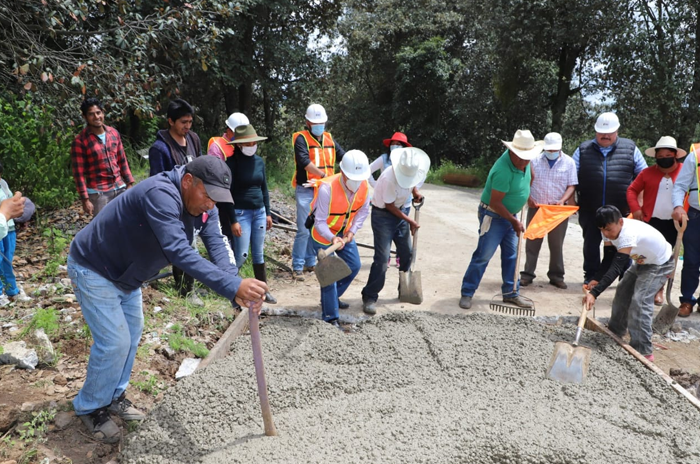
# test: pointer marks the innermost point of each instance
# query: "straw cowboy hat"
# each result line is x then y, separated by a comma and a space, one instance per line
524, 145
411, 165
397, 137
666, 142
245, 134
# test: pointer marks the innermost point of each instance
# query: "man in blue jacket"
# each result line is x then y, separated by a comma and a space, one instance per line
130, 241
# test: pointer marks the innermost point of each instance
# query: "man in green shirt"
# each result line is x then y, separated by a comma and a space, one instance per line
506, 192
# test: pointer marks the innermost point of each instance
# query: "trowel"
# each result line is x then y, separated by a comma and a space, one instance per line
569, 362
330, 268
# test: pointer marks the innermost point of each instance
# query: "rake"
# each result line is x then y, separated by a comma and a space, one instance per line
497, 304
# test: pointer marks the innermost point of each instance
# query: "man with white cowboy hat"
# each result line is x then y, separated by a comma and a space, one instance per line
610, 164
341, 205
393, 189
655, 185
554, 183
315, 153
506, 192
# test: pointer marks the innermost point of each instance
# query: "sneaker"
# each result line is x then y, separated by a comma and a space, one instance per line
309, 268
343, 305
125, 409
101, 426
397, 261
298, 276
369, 307
650, 357
4, 300
518, 301
194, 299
525, 282
559, 284
465, 302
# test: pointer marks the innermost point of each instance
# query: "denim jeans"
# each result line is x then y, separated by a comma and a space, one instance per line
115, 318
253, 226
303, 251
331, 293
633, 305
7, 248
690, 275
385, 227
500, 233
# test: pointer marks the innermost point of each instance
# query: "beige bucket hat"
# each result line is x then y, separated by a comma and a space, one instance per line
524, 145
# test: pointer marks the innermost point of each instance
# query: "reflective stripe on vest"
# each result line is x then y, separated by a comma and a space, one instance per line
222, 143
322, 155
341, 210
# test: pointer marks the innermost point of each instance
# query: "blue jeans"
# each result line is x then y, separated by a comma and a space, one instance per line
385, 227
331, 293
115, 319
690, 275
303, 251
253, 225
7, 248
501, 234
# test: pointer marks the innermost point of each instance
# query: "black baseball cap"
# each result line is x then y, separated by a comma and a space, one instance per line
215, 176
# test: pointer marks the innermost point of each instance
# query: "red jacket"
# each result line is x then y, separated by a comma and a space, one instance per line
648, 181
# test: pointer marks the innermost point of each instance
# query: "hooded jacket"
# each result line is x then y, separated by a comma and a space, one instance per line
162, 155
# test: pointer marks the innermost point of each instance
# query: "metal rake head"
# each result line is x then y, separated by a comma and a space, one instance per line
506, 308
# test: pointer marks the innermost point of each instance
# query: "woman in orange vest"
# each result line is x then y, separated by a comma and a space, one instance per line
341, 205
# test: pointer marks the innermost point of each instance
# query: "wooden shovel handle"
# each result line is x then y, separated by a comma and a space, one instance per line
270, 429
582, 318
517, 259
323, 253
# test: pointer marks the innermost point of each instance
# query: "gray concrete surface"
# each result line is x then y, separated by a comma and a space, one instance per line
417, 387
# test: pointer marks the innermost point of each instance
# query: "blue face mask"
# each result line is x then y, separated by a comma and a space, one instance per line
551, 156
317, 129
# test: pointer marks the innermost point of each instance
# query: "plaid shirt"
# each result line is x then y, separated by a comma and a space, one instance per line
551, 183
98, 166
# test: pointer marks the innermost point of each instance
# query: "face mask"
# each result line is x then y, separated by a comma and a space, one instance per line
394, 147
665, 163
353, 185
551, 156
317, 129
249, 151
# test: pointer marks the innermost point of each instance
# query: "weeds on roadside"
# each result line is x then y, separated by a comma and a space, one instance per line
151, 385
37, 427
57, 243
179, 342
436, 174
44, 318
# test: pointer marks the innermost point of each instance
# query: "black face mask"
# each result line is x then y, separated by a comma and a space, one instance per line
665, 163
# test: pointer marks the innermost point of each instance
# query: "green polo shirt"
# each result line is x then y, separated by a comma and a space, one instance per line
506, 178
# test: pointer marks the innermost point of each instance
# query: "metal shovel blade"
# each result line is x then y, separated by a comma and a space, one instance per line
665, 319
410, 287
569, 363
331, 269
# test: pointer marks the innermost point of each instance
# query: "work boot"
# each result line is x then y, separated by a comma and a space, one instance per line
261, 274
558, 284
183, 282
369, 307
298, 275
518, 301
465, 302
524, 281
101, 426
309, 268
125, 409
336, 324
343, 305
685, 310
194, 299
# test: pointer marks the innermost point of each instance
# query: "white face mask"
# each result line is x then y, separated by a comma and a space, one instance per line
353, 185
249, 151
394, 147
552, 156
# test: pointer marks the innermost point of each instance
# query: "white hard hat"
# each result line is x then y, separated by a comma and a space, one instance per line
316, 114
237, 119
355, 165
607, 123
552, 141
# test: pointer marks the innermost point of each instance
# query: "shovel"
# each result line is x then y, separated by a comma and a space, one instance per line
410, 285
569, 363
667, 316
330, 269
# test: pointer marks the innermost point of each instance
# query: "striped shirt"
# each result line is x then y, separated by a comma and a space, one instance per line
550, 184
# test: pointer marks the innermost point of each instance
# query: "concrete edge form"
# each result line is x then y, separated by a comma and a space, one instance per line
222, 347
596, 326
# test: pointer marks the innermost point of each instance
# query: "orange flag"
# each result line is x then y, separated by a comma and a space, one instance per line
546, 219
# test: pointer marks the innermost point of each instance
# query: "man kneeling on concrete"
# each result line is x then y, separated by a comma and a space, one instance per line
131, 240
395, 186
633, 305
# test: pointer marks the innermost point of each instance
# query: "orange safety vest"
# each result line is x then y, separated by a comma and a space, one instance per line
222, 143
322, 155
341, 209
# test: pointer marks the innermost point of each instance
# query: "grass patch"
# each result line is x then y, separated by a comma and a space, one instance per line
436, 175
150, 385
179, 342
44, 318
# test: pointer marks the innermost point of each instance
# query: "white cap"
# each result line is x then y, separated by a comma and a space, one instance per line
355, 165
552, 141
607, 123
410, 165
316, 114
237, 119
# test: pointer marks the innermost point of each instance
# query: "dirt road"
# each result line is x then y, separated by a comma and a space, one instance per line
447, 239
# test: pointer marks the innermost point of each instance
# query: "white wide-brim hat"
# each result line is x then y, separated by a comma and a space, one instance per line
666, 142
410, 165
524, 145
